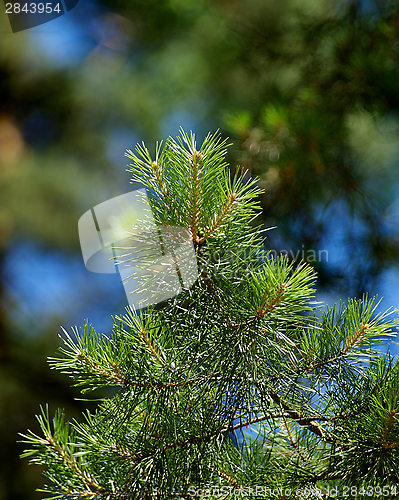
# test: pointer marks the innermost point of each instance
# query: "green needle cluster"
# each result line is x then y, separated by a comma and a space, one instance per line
246, 347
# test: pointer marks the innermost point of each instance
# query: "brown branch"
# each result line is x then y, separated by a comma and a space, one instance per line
205, 437
386, 431
226, 476
231, 428
77, 493
112, 375
151, 347
161, 182
350, 344
71, 464
310, 423
219, 219
194, 216
116, 376
307, 421
355, 339
261, 313
155, 353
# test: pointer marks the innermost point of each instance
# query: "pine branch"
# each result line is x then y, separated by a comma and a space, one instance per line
270, 302
231, 348
195, 196
386, 431
59, 445
355, 339
220, 218
312, 425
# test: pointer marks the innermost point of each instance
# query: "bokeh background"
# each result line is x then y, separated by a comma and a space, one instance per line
307, 91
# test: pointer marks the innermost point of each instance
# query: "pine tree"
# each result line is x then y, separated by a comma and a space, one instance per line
240, 385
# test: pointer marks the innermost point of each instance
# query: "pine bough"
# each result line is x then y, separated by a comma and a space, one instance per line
241, 385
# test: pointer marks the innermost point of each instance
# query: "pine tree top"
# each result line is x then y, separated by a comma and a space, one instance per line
240, 384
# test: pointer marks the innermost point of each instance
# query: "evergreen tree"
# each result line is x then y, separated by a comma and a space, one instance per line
245, 348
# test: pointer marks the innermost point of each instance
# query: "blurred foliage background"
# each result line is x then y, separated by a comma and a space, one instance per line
307, 91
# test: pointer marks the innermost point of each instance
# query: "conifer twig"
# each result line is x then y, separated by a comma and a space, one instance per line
195, 196
220, 218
